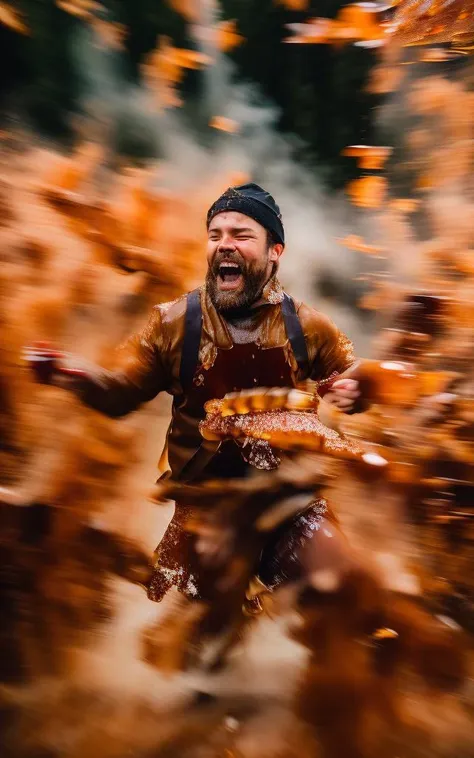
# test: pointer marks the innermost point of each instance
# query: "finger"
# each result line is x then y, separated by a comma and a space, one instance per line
445, 398
343, 403
333, 397
35, 353
72, 372
347, 393
349, 384
41, 345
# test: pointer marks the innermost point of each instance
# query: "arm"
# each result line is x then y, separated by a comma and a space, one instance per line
139, 377
334, 355
333, 364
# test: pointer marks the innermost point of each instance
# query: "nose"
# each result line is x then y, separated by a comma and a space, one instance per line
226, 243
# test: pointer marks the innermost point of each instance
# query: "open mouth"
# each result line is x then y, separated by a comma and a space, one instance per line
229, 276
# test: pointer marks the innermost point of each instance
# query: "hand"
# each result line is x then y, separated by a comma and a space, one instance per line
343, 394
44, 361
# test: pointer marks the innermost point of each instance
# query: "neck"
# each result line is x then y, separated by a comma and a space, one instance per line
233, 314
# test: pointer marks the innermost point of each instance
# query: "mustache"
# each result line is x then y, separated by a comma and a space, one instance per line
227, 255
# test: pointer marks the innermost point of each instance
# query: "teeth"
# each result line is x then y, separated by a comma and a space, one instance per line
230, 266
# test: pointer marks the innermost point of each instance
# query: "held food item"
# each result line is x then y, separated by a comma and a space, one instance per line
285, 419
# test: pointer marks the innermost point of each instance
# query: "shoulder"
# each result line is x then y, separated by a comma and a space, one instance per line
170, 320
173, 311
333, 351
315, 323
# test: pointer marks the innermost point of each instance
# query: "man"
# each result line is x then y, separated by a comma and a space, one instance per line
238, 331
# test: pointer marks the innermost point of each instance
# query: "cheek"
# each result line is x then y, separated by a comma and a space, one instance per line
211, 250
251, 255
259, 261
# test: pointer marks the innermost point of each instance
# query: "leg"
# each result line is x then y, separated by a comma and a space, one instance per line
202, 613
178, 563
311, 546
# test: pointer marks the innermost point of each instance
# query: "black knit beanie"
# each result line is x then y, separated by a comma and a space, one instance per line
253, 201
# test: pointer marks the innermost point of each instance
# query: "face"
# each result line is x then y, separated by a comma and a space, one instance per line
240, 260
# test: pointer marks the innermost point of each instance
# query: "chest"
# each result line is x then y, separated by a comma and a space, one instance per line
243, 366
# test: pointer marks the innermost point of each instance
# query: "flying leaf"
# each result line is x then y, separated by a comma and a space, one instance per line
356, 23
227, 36
294, 5
83, 9
11, 18
368, 191
404, 205
110, 33
224, 124
384, 79
190, 9
368, 156
164, 69
354, 242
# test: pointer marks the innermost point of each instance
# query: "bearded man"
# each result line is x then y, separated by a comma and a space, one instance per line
238, 331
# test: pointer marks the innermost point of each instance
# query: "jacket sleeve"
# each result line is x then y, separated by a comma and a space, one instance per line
139, 376
334, 353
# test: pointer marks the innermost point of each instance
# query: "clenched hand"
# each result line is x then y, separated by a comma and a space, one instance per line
343, 394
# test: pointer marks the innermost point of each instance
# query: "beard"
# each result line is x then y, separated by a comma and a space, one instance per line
234, 302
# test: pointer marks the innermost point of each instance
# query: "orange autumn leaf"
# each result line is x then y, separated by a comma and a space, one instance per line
317, 31
227, 36
223, 36
69, 173
358, 22
425, 181
83, 9
357, 15
373, 301
294, 5
11, 18
354, 242
224, 124
187, 8
465, 262
368, 156
404, 205
187, 58
368, 191
164, 69
355, 23
111, 34
384, 79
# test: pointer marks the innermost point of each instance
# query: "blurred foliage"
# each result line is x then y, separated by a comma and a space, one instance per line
319, 89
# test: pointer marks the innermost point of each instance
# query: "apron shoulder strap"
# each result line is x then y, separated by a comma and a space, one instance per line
295, 334
192, 336
192, 339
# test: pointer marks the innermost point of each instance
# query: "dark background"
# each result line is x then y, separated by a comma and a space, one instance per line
319, 89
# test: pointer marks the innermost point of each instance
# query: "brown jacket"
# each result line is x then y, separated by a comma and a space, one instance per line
150, 360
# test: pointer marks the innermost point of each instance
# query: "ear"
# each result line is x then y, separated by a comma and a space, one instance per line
275, 252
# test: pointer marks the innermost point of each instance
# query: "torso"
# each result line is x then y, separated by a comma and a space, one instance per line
244, 366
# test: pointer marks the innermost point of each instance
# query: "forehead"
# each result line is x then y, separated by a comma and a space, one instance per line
234, 220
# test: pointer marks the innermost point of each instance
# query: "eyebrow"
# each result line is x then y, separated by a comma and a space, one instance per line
235, 230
